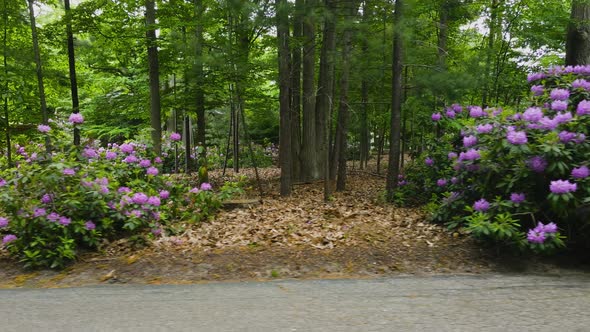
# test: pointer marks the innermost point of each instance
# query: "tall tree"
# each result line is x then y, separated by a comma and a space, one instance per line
5, 97
38, 66
72, 65
396, 101
309, 157
578, 34
285, 110
200, 90
296, 88
341, 142
154, 76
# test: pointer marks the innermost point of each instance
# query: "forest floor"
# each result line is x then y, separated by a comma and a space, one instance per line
355, 235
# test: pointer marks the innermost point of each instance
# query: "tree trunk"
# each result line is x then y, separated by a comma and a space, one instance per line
578, 34
5, 98
396, 97
325, 93
309, 157
343, 112
72, 65
493, 27
200, 91
364, 130
39, 70
154, 76
285, 111
296, 89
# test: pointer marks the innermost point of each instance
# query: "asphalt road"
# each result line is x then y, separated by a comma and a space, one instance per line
439, 303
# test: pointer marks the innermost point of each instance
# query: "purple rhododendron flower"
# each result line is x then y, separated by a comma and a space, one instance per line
454, 180
566, 136
580, 138
145, 163
452, 155
43, 128
139, 198
559, 94
429, 161
532, 114
537, 90
484, 128
158, 160
127, 148
517, 198
471, 154
548, 123
154, 200
76, 118
3, 222
2, 182
39, 212
53, 217
563, 117
46, 199
450, 113
130, 159
580, 172
164, 194
69, 171
549, 228
194, 190
482, 205
122, 190
583, 108
89, 225
516, 137
441, 182
559, 105
9, 238
537, 164
535, 237
110, 155
535, 76
562, 187
476, 112
469, 141
581, 84
457, 108
206, 186
90, 153
435, 117
175, 137
136, 213
65, 221
152, 171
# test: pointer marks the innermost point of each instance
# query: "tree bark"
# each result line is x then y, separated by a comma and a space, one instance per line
493, 27
200, 91
5, 62
296, 89
578, 34
343, 112
309, 157
364, 128
396, 97
285, 110
325, 94
72, 66
154, 76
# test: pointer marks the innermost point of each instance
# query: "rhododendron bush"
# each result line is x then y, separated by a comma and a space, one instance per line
53, 204
518, 176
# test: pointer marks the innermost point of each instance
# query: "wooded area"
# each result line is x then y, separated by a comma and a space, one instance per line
346, 78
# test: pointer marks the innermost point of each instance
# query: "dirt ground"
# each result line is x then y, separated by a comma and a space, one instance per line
355, 235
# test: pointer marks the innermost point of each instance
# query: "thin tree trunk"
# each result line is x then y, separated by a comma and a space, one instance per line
493, 26
578, 34
154, 76
343, 111
200, 91
325, 93
39, 71
72, 65
285, 111
6, 115
364, 130
296, 89
309, 157
396, 96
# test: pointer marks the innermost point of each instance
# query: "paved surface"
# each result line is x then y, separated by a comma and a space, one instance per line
442, 303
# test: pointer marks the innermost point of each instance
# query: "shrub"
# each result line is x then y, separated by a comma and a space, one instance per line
53, 204
507, 174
